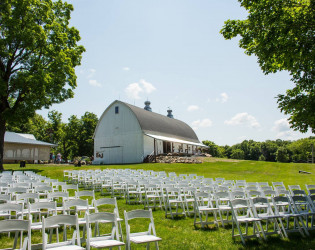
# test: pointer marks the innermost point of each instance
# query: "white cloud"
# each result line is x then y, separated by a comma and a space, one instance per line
223, 98
148, 87
91, 73
95, 83
204, 123
283, 130
126, 68
192, 108
243, 119
133, 90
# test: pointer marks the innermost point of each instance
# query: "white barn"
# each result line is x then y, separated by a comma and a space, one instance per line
128, 134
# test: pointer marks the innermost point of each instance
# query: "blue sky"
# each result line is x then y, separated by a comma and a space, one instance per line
171, 53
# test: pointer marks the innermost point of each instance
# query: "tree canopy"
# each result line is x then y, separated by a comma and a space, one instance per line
38, 54
281, 34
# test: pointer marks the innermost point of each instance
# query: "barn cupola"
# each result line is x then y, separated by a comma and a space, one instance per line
169, 113
147, 106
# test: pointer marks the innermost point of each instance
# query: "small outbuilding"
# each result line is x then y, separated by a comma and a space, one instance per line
129, 134
25, 147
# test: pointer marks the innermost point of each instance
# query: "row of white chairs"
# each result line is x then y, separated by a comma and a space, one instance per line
285, 213
110, 240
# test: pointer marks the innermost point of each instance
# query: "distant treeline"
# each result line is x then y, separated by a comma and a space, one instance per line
278, 150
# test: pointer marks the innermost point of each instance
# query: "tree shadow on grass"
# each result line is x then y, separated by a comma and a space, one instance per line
295, 241
207, 228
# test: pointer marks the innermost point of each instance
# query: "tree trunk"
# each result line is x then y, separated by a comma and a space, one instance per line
2, 132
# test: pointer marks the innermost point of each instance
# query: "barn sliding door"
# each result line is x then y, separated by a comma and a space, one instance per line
113, 155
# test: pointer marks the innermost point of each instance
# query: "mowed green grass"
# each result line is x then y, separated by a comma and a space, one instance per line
181, 233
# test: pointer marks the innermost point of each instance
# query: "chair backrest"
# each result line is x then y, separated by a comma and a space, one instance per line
4, 198
75, 203
53, 195
43, 189
57, 220
277, 183
65, 188
252, 194
221, 195
310, 189
18, 225
298, 193
269, 193
38, 206
12, 207
79, 194
27, 197
265, 188
237, 195
17, 190
245, 208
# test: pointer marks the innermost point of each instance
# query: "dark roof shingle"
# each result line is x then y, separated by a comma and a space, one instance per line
154, 123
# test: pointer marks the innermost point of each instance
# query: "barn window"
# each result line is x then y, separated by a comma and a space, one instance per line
116, 110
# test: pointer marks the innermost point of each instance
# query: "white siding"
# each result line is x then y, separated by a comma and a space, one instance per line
148, 145
118, 137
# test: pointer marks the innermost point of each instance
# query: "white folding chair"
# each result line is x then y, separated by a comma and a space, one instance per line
71, 189
153, 196
294, 187
140, 237
105, 241
267, 215
61, 220
242, 213
59, 197
133, 193
86, 194
38, 210
202, 208
18, 226
173, 200
302, 206
188, 198
282, 206
111, 204
222, 202
310, 189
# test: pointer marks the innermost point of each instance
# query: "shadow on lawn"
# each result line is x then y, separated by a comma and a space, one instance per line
295, 241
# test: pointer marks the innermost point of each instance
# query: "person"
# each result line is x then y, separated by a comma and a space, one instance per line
58, 158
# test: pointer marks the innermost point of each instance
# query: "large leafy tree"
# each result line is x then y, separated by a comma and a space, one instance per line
38, 54
281, 34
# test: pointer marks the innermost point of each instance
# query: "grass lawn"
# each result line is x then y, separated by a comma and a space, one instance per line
181, 233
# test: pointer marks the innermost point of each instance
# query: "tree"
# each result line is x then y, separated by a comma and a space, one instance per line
88, 125
35, 125
238, 154
213, 149
281, 34
282, 154
38, 54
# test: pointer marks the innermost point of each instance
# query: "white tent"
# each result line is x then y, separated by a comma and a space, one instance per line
25, 147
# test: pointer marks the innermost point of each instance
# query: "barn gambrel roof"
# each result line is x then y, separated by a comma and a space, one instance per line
156, 124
